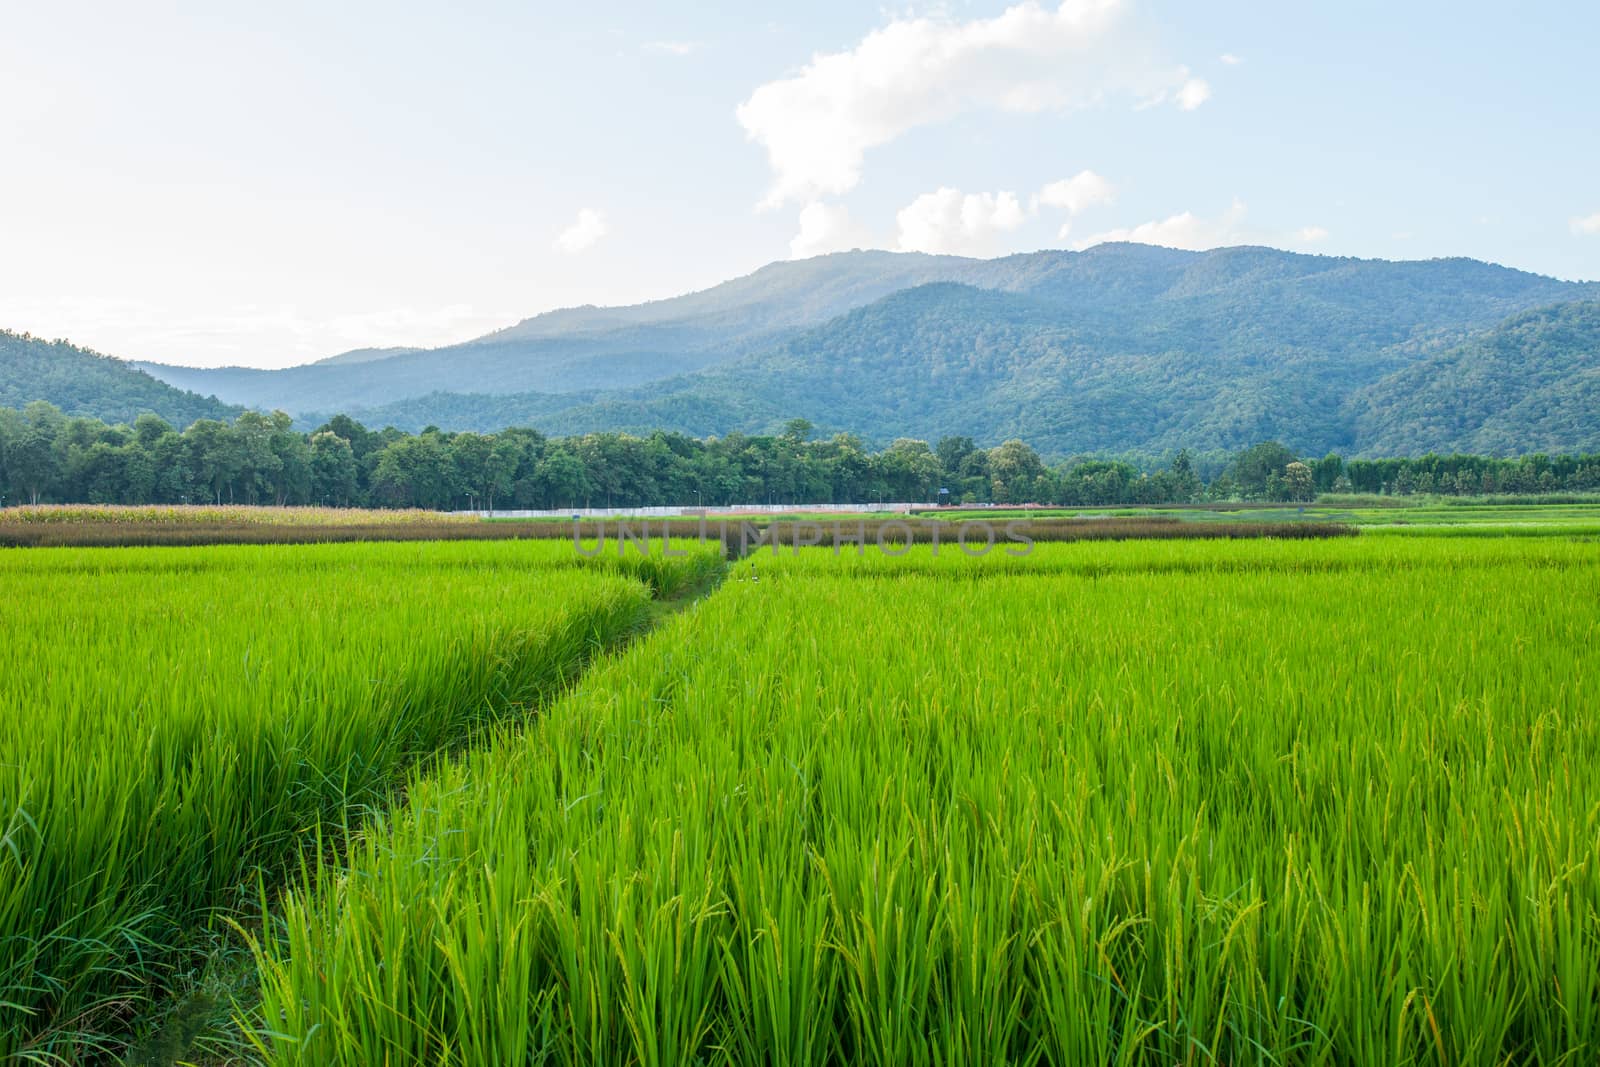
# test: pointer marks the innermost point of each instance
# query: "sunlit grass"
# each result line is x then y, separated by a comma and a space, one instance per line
175, 721
1154, 803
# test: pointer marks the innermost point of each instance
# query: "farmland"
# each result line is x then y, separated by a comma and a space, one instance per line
176, 721
1146, 800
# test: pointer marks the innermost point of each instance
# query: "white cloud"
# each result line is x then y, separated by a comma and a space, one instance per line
1590, 225
586, 229
672, 48
827, 228
1229, 59
818, 124
1075, 195
1311, 234
948, 221
1083, 190
1195, 92
1185, 230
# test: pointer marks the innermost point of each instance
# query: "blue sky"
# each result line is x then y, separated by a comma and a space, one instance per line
269, 184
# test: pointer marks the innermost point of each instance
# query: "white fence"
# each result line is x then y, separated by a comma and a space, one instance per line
694, 513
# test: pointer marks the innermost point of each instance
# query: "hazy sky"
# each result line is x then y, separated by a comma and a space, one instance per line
267, 184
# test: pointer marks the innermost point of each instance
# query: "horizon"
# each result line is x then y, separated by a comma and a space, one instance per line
400, 348
269, 189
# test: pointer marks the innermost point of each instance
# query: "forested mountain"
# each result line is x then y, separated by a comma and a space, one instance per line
81, 382
1531, 384
1188, 372
1120, 348
952, 359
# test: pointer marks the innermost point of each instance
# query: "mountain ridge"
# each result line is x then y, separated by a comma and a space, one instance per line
1121, 347
580, 349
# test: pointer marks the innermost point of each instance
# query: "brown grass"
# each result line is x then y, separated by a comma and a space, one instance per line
203, 528
229, 515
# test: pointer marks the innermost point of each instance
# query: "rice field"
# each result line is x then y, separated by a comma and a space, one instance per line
1308, 801
176, 722
1322, 803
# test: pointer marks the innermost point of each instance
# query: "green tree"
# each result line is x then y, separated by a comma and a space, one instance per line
1015, 471
1254, 468
99, 474
562, 480
469, 454
909, 469
290, 475
1327, 471
414, 472
333, 469
848, 468
362, 440
1185, 483
259, 464
500, 469
36, 459
798, 431
1299, 484
148, 429
218, 456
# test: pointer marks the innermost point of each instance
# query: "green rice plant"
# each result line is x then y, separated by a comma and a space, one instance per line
175, 723
1157, 803
1097, 559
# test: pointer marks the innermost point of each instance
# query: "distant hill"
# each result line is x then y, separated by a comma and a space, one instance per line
1530, 384
948, 359
1116, 347
588, 348
1120, 348
779, 296
81, 382
478, 412
367, 355
1125, 349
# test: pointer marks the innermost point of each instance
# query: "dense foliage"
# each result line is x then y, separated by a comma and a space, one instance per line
81, 382
1531, 384
48, 457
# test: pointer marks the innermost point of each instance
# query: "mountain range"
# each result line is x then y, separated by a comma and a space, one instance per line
1120, 348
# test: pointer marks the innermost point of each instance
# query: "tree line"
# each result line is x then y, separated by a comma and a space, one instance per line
48, 457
